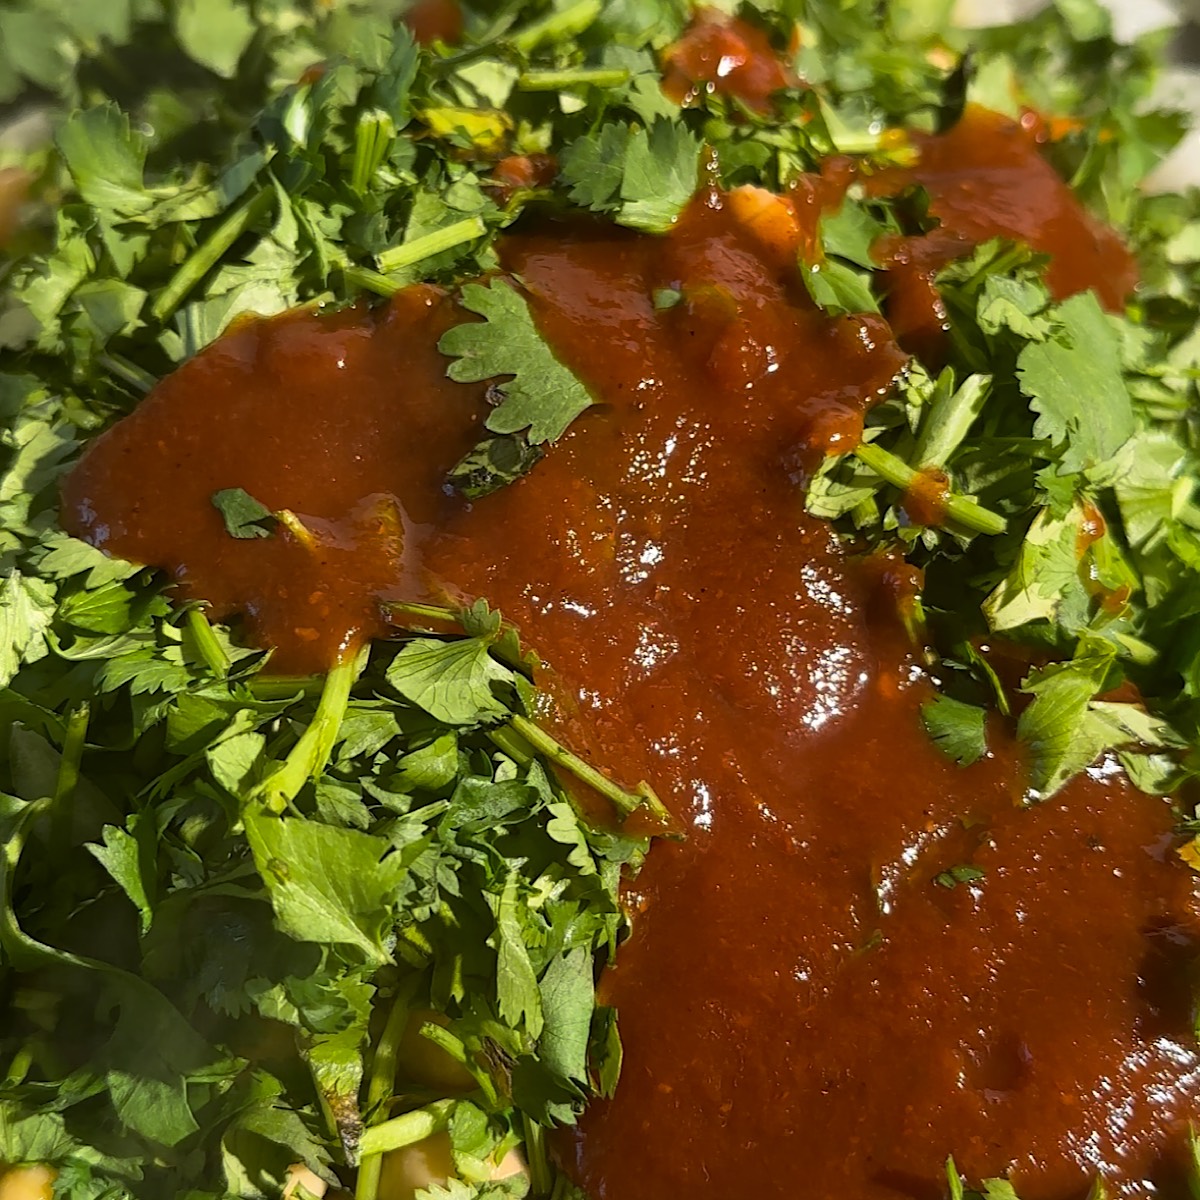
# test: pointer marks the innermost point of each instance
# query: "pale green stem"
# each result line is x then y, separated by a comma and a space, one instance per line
19, 1067
408, 254
68, 779
540, 1176
130, 372
211, 650
406, 1129
428, 612
559, 25
372, 139
552, 81
310, 754
207, 254
962, 510
296, 528
624, 802
370, 281
380, 1087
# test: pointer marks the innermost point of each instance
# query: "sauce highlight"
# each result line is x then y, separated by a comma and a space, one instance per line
805, 1010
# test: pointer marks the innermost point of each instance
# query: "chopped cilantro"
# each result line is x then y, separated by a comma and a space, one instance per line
244, 516
542, 397
331, 858
642, 177
958, 730
1074, 383
962, 873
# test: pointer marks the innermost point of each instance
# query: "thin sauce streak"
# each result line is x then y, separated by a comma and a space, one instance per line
805, 1012
925, 498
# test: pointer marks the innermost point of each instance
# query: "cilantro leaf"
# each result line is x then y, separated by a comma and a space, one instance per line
452, 681
568, 997
1074, 382
850, 233
215, 33
839, 288
327, 884
660, 177
962, 873
958, 730
26, 610
494, 463
643, 177
121, 857
593, 166
106, 158
1058, 726
1046, 577
542, 395
516, 984
244, 516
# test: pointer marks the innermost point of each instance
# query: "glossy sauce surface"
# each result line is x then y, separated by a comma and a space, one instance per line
346, 420
805, 1010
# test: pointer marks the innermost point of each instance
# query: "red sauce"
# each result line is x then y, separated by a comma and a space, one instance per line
316, 414
986, 178
523, 172
925, 498
806, 1011
432, 21
725, 55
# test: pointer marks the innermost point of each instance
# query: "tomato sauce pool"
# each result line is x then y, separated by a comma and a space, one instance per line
806, 1009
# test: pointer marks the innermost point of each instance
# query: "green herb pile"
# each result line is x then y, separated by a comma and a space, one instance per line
232, 903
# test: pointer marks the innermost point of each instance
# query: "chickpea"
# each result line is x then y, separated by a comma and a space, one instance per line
430, 1162
32, 1182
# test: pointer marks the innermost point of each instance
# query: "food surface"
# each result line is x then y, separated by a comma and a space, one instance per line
813, 820
796, 760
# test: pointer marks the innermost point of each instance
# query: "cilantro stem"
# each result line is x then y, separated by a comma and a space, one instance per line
380, 1087
19, 1067
383, 1068
406, 1129
65, 784
296, 528
551, 81
624, 802
949, 421
557, 26
408, 254
205, 256
370, 281
370, 1171
428, 612
209, 649
512, 744
372, 139
284, 687
310, 754
962, 510
540, 1180
131, 373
